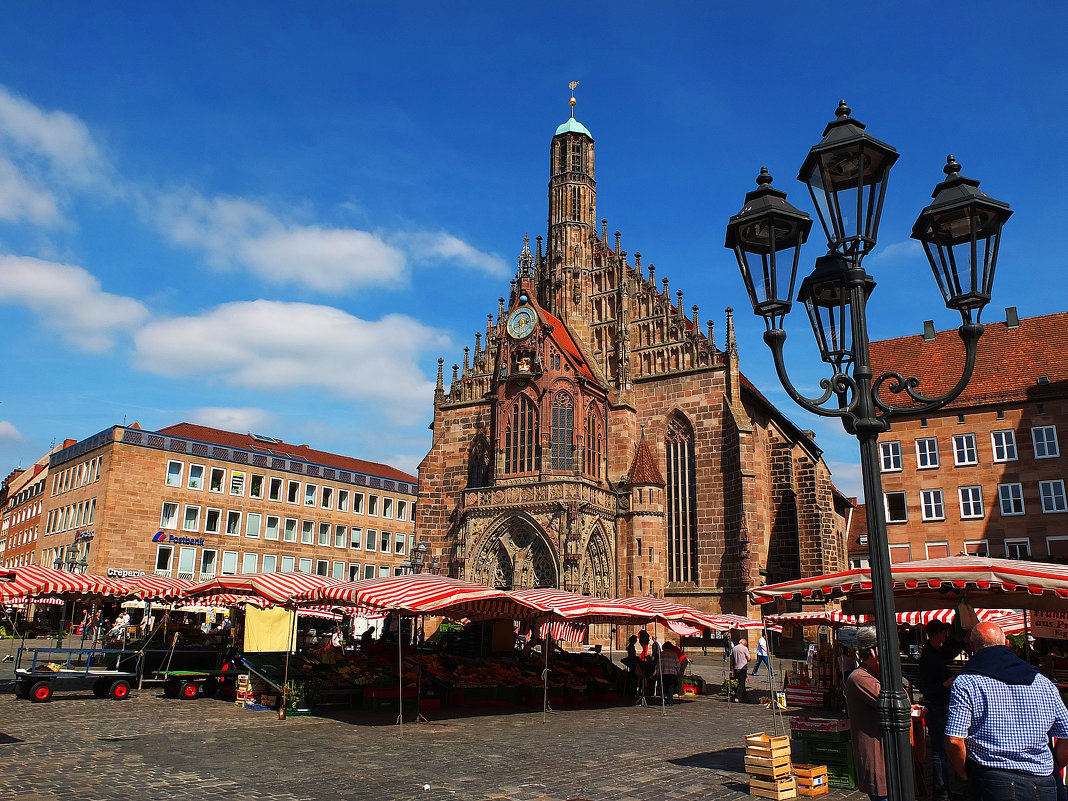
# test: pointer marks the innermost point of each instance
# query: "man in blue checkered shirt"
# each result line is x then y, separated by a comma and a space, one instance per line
1002, 713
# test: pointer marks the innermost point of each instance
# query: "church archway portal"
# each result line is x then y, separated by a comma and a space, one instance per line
515, 557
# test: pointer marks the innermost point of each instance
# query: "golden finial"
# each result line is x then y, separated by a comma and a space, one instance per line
572, 101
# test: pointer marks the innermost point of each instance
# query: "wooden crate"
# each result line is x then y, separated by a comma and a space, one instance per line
778, 789
811, 779
775, 767
773, 749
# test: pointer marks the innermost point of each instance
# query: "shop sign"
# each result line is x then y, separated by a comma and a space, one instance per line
171, 539
1053, 625
84, 536
118, 572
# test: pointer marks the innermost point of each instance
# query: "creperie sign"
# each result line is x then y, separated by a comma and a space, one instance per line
1052, 625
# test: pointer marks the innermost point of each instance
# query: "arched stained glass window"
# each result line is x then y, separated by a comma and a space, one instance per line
594, 443
682, 501
563, 431
521, 437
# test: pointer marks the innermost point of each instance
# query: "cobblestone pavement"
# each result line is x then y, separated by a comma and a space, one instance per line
84, 748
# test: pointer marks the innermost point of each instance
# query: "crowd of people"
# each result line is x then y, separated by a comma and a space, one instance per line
650, 665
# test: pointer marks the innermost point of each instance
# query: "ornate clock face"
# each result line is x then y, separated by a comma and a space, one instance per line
521, 323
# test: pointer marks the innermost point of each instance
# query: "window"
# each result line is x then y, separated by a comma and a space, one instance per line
1057, 547
372, 505
900, 553
191, 521
976, 547
1004, 445
293, 492
324, 534
271, 532
402, 510
211, 521
339, 571
387, 508
1052, 493
250, 563
890, 454
896, 507
207, 565
371, 541
305, 565
926, 453
594, 443
255, 486
937, 550
233, 523
356, 538
1045, 442
229, 563
270, 563
196, 477
383, 571
218, 475
326, 499
368, 571
322, 567
964, 449
681, 501
1017, 549
1010, 499
289, 533
521, 437
563, 431
971, 502
169, 517
386, 542
289, 564
307, 532
174, 474
187, 562
163, 560
253, 520
237, 482
341, 536
274, 489
932, 504
357, 503
354, 571
398, 543
309, 494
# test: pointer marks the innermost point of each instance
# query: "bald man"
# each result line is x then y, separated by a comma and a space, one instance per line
1002, 712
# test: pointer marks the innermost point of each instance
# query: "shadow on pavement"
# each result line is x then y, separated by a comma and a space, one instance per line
731, 759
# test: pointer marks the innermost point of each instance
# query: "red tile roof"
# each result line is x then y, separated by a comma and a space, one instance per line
231, 439
1009, 364
644, 470
858, 527
562, 337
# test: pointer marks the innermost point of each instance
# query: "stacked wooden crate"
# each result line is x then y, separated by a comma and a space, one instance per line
811, 779
767, 761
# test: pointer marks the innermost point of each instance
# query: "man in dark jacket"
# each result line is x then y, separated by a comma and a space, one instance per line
934, 682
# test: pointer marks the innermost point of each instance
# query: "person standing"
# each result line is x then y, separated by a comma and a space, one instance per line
762, 654
669, 672
862, 702
740, 665
1002, 712
934, 682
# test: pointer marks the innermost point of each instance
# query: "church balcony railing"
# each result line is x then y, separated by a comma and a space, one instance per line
570, 556
535, 492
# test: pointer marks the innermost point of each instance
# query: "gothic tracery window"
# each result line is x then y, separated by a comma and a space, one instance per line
520, 437
682, 501
563, 440
594, 438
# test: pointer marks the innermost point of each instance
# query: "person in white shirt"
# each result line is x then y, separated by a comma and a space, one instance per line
762, 655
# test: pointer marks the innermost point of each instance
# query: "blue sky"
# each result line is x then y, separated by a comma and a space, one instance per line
276, 219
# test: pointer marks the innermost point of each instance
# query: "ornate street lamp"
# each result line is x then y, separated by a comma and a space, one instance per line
419, 557
846, 174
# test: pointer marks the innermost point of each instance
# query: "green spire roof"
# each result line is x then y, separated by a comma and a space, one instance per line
573, 126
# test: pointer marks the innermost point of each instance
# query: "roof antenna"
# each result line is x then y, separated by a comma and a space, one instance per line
572, 101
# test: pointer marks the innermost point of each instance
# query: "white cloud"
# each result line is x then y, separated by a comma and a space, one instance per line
9, 432
69, 300
234, 418
21, 200
429, 247
61, 139
905, 250
276, 346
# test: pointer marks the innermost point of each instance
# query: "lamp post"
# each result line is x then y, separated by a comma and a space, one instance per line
67, 559
846, 174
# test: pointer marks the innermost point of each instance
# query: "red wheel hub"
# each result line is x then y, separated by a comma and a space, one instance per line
42, 693
121, 691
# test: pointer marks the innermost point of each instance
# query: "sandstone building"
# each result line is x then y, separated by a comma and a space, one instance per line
596, 439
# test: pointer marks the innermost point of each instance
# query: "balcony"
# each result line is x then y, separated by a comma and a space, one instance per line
161, 571
207, 575
186, 575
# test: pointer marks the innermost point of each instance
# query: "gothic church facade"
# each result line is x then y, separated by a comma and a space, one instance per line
597, 440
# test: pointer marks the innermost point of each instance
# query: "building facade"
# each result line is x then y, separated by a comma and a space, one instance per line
23, 505
985, 475
194, 502
596, 439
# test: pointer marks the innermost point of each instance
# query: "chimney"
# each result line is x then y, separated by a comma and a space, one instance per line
928, 331
1012, 319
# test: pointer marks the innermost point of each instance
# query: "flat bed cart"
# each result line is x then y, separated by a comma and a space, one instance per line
108, 673
190, 684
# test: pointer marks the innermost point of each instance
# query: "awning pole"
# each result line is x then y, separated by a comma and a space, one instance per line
400, 674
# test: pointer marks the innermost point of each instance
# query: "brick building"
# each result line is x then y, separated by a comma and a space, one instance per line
23, 503
596, 439
985, 475
194, 502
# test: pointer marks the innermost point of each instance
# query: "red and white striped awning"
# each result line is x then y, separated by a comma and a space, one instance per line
559, 630
938, 583
278, 588
818, 617
667, 611
729, 622
158, 588
422, 593
22, 603
36, 581
583, 608
320, 614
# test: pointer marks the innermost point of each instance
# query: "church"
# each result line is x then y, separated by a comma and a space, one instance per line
595, 439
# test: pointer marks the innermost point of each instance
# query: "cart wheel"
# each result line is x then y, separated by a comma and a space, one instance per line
100, 688
227, 690
211, 687
189, 690
40, 691
171, 688
120, 688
